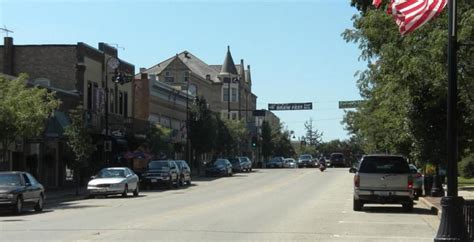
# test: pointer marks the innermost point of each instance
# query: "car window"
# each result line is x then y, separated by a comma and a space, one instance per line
33, 181
27, 180
390, 165
159, 165
10, 180
111, 173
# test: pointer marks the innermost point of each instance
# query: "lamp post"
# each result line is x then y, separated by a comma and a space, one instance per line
451, 227
113, 63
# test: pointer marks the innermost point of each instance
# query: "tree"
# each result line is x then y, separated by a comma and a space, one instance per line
80, 142
405, 84
158, 140
203, 126
238, 136
23, 110
283, 146
313, 136
267, 143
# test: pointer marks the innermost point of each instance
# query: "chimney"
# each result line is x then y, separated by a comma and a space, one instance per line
142, 69
242, 71
8, 56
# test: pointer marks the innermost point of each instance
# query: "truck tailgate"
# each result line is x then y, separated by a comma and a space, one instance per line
373, 181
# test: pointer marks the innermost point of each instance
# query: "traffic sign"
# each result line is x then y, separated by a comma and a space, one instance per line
350, 104
290, 106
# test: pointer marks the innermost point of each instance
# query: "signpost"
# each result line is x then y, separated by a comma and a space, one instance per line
350, 104
289, 106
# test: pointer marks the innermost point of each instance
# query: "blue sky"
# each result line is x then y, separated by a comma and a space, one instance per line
295, 48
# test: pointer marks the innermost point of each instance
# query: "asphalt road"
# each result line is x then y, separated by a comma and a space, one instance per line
271, 204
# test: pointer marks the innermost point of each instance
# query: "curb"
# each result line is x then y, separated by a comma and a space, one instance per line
430, 206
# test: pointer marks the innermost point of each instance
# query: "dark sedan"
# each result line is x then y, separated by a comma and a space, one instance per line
220, 167
275, 162
20, 189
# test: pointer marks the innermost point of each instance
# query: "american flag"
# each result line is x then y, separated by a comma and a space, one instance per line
412, 14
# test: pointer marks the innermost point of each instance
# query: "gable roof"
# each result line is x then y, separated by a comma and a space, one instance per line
195, 65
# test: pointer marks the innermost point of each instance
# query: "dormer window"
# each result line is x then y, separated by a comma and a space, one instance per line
208, 77
168, 78
186, 76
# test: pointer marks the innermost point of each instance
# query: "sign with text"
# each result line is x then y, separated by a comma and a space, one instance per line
350, 104
290, 106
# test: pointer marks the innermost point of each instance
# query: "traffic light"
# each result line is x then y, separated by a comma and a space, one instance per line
254, 142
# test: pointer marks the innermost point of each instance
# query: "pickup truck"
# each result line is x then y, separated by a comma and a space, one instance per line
383, 179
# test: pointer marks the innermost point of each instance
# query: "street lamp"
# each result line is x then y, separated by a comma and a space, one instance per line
113, 63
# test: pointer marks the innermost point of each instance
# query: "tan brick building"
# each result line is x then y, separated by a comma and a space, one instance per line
210, 81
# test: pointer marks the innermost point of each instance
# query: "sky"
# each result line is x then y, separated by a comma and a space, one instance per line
294, 48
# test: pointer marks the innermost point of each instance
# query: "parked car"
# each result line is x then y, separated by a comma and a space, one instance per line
338, 160
19, 190
220, 167
383, 179
306, 160
290, 163
246, 163
113, 181
417, 181
184, 172
275, 162
236, 165
161, 172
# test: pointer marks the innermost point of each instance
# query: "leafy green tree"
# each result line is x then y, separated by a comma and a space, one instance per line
203, 128
313, 136
238, 136
405, 84
158, 140
267, 143
80, 142
23, 110
223, 144
283, 146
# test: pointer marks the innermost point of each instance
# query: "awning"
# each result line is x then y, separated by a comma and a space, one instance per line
56, 124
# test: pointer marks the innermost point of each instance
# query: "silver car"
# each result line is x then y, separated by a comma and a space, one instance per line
112, 181
289, 163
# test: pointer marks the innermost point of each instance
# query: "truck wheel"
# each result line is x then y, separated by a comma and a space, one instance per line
358, 205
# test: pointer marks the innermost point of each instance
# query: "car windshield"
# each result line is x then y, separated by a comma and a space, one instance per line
234, 160
305, 157
220, 162
159, 165
386, 165
111, 173
337, 156
10, 180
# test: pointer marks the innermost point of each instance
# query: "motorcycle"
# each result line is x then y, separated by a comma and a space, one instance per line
322, 166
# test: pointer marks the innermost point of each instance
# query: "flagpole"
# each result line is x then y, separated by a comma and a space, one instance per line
451, 227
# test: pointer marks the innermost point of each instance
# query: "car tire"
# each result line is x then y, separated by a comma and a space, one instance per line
18, 209
189, 182
177, 183
407, 207
39, 204
125, 191
170, 184
357, 205
136, 192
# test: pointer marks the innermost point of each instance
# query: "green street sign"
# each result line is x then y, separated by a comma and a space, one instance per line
350, 104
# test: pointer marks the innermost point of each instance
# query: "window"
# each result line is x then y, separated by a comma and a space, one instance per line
226, 79
125, 104
27, 181
208, 77
111, 100
225, 92
120, 103
89, 95
234, 95
168, 77
234, 116
186, 76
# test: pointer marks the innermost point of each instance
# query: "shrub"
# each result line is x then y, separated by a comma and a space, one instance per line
466, 166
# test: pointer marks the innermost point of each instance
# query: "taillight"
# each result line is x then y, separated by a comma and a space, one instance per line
418, 175
357, 181
410, 182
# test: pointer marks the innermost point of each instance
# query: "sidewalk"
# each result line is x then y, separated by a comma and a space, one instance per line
434, 203
55, 196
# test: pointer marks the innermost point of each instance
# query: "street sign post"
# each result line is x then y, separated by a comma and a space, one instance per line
350, 104
289, 106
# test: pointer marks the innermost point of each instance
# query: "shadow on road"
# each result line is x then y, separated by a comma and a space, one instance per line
26, 213
394, 209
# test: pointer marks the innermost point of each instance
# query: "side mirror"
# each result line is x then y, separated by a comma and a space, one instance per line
28, 184
92, 177
352, 170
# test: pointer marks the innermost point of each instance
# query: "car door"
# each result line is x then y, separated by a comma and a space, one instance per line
174, 170
36, 187
133, 179
28, 195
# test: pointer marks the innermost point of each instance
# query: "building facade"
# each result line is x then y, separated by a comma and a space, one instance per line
80, 70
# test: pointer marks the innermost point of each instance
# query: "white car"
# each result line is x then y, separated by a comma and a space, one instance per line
290, 163
112, 181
